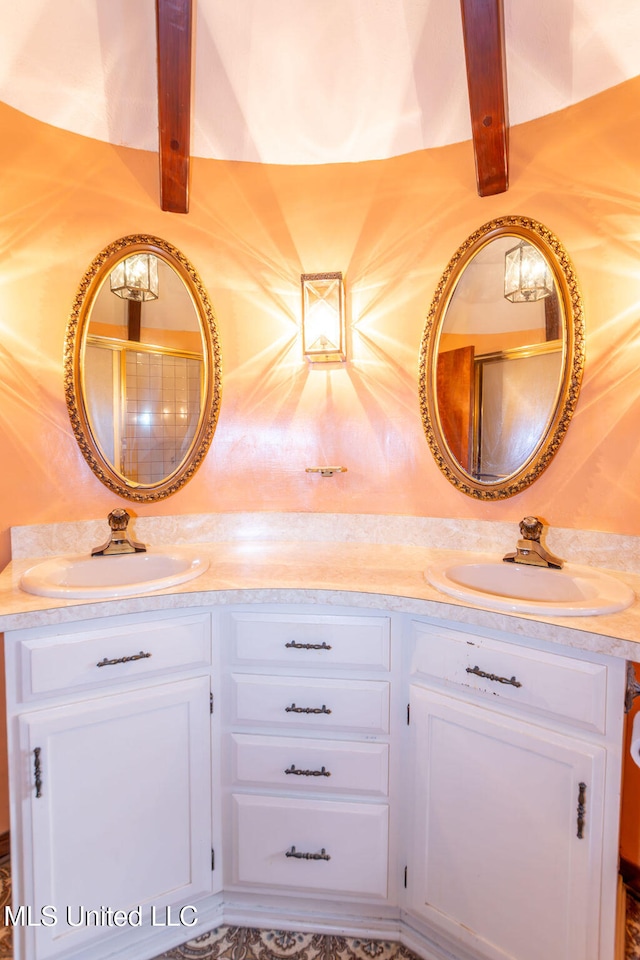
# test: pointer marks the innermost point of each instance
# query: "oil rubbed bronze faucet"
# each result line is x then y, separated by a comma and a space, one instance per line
530, 550
119, 542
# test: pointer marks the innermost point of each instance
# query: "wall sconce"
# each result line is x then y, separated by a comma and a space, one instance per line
323, 320
136, 278
527, 275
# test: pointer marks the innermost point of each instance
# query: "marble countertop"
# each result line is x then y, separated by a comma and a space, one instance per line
374, 575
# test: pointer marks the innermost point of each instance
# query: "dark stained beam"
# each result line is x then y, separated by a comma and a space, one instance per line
483, 30
174, 26
134, 320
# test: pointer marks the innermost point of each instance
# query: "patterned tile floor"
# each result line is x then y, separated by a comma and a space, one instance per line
240, 943
5, 898
632, 942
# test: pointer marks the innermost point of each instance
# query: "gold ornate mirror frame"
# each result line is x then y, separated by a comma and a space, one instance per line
75, 340
571, 311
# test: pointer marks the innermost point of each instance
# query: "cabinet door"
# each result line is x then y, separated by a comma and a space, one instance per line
119, 805
496, 857
311, 845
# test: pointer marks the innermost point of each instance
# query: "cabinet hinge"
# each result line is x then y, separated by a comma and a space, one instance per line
210, 703
633, 688
408, 714
213, 859
405, 878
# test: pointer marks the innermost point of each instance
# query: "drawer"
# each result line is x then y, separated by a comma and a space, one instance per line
113, 654
312, 766
299, 640
311, 845
549, 683
303, 702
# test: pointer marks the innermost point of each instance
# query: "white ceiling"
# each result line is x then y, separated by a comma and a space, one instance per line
305, 81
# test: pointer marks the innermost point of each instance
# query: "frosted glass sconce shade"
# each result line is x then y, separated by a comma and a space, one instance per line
135, 278
526, 274
323, 322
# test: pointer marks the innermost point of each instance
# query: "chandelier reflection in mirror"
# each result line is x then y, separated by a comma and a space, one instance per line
527, 276
136, 278
323, 317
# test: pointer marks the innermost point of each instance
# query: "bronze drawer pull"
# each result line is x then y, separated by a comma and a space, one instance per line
308, 773
136, 656
582, 791
294, 709
307, 646
37, 771
493, 676
323, 855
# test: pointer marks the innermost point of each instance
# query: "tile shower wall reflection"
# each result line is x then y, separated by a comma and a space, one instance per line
162, 408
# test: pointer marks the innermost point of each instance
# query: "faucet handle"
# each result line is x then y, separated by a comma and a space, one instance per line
531, 528
118, 519
119, 542
529, 550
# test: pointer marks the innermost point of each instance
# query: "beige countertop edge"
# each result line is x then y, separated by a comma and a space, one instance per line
369, 576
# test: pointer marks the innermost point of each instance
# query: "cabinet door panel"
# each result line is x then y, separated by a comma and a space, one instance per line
498, 861
299, 640
311, 845
301, 764
57, 663
123, 819
547, 683
354, 705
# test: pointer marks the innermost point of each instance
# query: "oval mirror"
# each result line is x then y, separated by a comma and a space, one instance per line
142, 368
501, 358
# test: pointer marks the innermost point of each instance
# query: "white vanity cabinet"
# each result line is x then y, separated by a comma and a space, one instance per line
378, 774
515, 754
308, 708
111, 780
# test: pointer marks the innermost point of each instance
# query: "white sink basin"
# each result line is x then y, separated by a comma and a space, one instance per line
572, 591
86, 577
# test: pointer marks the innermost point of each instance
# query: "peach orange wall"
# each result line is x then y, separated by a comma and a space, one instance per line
391, 227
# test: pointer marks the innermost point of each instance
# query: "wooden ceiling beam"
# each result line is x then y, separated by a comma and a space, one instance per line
174, 29
483, 30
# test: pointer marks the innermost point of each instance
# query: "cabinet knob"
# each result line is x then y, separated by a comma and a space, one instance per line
294, 709
308, 773
294, 645
494, 677
37, 771
135, 656
582, 796
323, 855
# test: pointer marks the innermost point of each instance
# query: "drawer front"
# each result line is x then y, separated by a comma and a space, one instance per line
123, 652
311, 845
301, 702
552, 684
312, 766
299, 640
